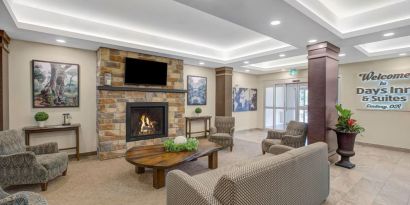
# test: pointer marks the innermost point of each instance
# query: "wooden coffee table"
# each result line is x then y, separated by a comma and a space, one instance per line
155, 157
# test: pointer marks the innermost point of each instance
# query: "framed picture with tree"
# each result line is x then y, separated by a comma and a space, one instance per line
55, 84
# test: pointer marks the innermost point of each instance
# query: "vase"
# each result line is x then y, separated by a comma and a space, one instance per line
41, 123
345, 143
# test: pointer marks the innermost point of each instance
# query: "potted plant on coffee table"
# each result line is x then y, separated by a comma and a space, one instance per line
346, 131
41, 118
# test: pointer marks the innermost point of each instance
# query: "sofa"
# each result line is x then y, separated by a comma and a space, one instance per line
21, 198
294, 136
223, 131
297, 176
29, 165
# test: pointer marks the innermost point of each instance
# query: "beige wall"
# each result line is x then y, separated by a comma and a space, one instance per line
390, 128
209, 108
21, 110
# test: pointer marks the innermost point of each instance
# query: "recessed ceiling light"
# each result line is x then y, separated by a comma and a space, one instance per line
403, 54
388, 34
247, 71
283, 69
246, 62
201, 63
275, 22
61, 40
312, 41
342, 54
282, 55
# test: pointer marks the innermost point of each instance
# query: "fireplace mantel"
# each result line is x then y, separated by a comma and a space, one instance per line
140, 89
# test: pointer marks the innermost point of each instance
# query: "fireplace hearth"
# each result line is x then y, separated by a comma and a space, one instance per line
146, 120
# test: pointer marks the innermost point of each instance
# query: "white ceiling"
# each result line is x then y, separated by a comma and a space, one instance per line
217, 33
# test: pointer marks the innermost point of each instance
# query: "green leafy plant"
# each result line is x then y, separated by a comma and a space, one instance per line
190, 145
41, 116
198, 110
345, 122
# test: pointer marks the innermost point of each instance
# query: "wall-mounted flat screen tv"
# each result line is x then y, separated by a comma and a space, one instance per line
143, 72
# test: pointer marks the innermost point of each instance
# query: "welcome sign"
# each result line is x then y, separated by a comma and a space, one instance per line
384, 91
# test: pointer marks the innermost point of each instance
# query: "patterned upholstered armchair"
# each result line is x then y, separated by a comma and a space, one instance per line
223, 131
21, 198
294, 136
29, 165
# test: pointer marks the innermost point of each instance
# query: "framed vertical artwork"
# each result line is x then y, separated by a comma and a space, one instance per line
55, 84
244, 99
196, 86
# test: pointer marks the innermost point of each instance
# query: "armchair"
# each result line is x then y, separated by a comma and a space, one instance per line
294, 136
29, 165
223, 131
21, 198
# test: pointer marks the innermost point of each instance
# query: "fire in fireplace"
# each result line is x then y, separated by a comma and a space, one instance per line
146, 120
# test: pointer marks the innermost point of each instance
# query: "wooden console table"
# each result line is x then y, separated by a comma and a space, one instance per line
56, 128
207, 125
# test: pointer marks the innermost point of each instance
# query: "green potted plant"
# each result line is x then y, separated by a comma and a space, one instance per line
41, 118
346, 130
198, 111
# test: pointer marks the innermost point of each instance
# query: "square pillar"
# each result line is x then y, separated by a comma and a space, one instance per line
223, 92
323, 69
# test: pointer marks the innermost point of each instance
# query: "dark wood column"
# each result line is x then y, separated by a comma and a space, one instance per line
323, 69
223, 92
4, 83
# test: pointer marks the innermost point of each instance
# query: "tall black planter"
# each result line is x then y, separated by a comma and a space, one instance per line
345, 142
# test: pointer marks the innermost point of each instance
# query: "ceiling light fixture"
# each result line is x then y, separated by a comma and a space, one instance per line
342, 54
403, 54
282, 55
388, 34
61, 40
246, 62
201, 63
247, 71
312, 41
275, 22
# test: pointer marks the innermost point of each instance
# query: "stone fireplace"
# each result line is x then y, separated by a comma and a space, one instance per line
114, 137
146, 120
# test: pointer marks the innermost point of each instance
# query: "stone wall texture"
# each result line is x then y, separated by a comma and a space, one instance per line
111, 105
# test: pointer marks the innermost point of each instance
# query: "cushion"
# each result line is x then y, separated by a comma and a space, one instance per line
51, 161
266, 143
11, 142
221, 136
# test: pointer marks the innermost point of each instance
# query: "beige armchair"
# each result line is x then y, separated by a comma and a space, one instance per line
294, 136
223, 131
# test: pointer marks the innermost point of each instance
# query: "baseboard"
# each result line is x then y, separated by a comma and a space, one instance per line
384, 147
84, 154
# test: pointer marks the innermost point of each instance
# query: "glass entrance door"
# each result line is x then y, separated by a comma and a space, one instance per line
284, 103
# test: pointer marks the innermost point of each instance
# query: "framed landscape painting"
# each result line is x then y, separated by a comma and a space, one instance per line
196, 90
55, 84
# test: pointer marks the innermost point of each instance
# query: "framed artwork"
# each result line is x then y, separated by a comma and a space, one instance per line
55, 84
244, 99
196, 86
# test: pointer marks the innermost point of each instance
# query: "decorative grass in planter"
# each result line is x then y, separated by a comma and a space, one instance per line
180, 144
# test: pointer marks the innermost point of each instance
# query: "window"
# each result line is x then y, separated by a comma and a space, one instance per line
284, 103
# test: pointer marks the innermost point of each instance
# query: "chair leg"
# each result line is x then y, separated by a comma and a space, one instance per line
44, 186
65, 173
263, 152
231, 148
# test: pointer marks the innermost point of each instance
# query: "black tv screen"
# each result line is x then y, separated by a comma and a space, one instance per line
145, 72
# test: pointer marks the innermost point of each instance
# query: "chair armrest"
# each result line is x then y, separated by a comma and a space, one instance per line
184, 189
275, 134
213, 130
19, 160
46, 148
293, 140
18, 198
232, 131
279, 149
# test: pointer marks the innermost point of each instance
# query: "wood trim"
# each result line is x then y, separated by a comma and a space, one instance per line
399, 149
129, 88
84, 154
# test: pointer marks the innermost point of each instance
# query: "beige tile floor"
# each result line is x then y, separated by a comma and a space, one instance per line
380, 177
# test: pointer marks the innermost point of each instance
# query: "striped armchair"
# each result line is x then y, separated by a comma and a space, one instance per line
294, 136
223, 131
21, 198
29, 165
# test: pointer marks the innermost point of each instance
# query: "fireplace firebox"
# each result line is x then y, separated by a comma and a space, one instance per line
146, 120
